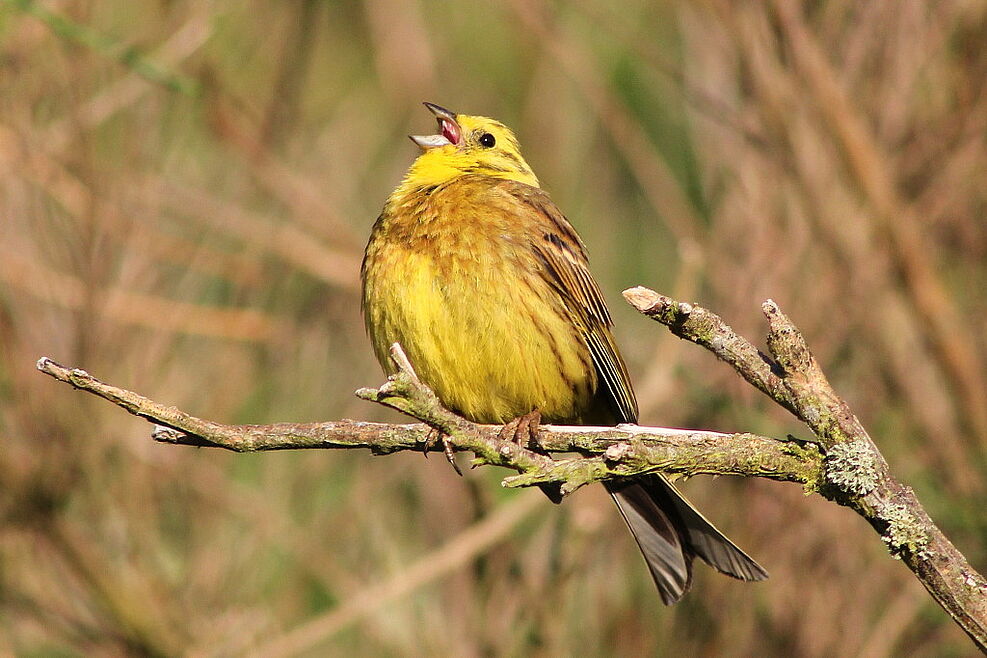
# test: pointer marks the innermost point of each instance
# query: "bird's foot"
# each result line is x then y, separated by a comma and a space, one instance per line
523, 430
433, 437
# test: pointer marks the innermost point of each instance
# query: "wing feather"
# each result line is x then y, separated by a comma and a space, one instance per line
668, 529
567, 270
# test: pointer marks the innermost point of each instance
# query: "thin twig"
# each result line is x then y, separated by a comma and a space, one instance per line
856, 473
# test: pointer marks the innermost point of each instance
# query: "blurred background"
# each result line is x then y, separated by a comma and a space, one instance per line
186, 188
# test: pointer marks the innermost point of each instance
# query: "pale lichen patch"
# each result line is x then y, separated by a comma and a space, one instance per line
852, 467
904, 531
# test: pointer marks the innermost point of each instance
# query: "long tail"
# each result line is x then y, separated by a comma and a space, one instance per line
671, 532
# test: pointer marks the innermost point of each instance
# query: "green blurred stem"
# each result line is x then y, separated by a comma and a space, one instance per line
129, 56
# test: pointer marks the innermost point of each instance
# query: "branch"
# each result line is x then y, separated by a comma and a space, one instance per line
605, 452
856, 473
842, 463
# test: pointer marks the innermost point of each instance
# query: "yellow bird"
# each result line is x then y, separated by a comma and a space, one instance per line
477, 274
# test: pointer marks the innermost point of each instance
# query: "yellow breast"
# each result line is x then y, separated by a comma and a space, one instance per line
462, 292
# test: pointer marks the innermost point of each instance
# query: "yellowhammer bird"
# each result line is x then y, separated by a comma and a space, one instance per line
486, 286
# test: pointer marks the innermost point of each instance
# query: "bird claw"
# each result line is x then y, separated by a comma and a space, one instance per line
433, 437
450, 454
523, 430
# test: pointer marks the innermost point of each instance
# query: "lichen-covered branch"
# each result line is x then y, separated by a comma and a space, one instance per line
856, 473
842, 463
604, 452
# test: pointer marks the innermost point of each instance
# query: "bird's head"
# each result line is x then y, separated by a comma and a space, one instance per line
468, 144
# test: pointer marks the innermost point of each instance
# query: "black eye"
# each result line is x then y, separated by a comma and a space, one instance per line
487, 140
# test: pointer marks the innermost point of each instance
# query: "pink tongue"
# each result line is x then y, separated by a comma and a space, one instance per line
450, 132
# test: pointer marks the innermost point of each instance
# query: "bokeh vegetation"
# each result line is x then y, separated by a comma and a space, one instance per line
185, 191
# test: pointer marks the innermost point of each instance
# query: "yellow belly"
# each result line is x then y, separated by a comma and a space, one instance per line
484, 330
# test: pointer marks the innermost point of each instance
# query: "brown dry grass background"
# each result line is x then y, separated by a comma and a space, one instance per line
185, 191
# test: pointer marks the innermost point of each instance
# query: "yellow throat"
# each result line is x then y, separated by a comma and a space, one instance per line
464, 145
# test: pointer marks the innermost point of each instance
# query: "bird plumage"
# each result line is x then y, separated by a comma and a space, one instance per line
486, 285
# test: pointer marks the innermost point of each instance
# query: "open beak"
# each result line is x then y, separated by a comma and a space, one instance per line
449, 131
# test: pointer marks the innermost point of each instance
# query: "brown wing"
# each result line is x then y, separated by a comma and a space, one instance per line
567, 270
666, 526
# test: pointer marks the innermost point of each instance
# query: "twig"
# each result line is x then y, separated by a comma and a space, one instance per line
856, 473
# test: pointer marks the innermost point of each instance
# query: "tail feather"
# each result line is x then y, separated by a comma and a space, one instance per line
707, 541
671, 532
669, 558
